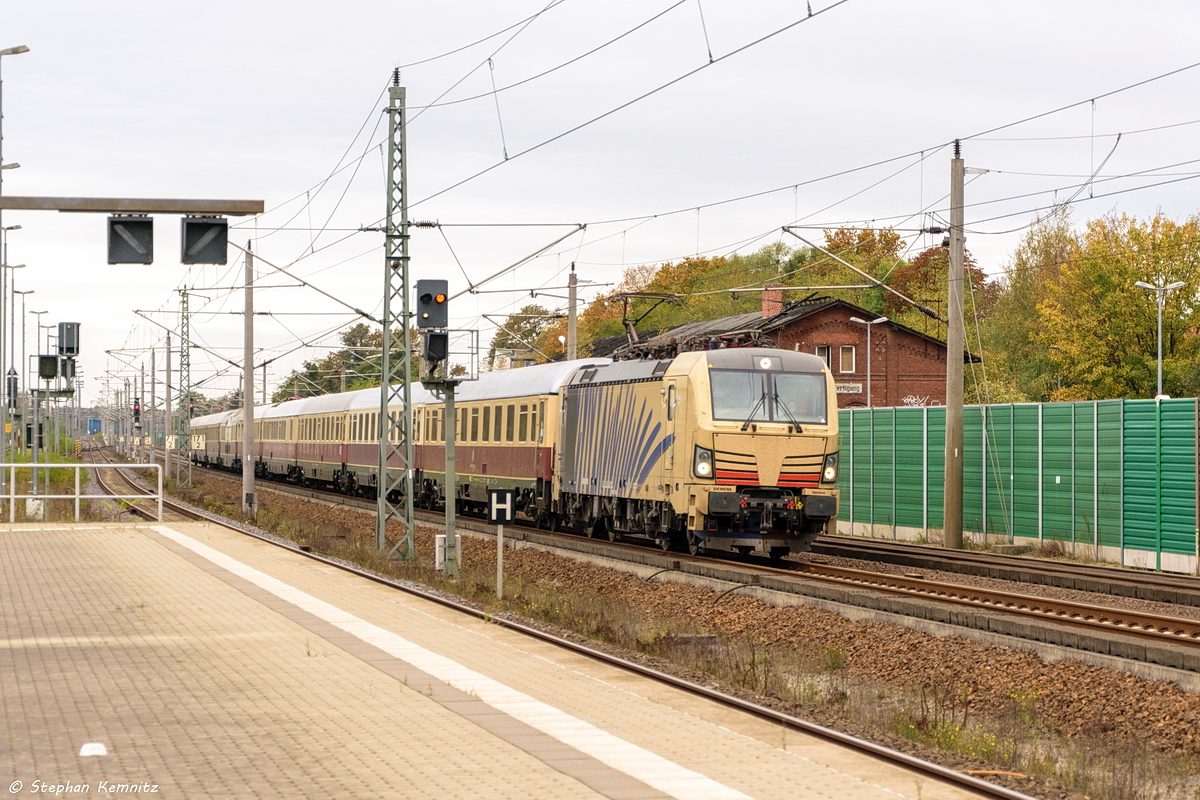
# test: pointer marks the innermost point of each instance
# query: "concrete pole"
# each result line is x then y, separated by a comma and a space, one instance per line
453, 557
249, 503
952, 506
572, 327
141, 426
153, 398
169, 419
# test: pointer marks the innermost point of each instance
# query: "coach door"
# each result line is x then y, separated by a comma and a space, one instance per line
672, 399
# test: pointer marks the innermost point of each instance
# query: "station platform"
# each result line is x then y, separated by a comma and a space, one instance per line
211, 664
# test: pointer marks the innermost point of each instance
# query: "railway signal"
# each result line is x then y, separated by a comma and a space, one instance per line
137, 412
131, 239
433, 311
205, 240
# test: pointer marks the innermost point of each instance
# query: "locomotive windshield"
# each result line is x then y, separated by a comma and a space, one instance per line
788, 397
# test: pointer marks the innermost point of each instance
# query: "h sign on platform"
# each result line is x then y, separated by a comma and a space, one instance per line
500, 506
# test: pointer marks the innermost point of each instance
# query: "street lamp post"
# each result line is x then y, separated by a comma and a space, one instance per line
1160, 293
869, 324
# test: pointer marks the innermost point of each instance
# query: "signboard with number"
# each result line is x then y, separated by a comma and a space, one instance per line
198, 440
500, 506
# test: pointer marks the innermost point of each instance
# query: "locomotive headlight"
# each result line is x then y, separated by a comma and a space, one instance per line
830, 474
702, 463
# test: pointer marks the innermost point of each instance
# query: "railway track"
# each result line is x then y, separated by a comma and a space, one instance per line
1120, 581
959, 778
115, 474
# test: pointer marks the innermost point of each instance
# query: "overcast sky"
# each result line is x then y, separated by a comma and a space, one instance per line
282, 102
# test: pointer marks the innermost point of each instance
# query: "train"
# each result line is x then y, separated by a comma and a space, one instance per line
731, 449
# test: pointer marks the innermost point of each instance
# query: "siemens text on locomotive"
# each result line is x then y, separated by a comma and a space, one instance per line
732, 449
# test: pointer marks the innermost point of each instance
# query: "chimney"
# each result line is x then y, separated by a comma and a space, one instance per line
772, 299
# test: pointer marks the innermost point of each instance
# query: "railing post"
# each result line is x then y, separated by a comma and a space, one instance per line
77, 493
158, 469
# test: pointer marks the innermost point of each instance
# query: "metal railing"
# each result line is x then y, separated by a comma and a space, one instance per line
78, 496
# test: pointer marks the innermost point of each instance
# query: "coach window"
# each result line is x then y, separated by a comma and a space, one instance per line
523, 427
847, 358
474, 424
510, 419
462, 424
354, 428
487, 422
542, 417
499, 422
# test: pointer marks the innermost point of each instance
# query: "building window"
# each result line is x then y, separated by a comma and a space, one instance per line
847, 358
823, 352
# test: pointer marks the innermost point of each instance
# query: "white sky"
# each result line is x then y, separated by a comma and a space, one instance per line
264, 99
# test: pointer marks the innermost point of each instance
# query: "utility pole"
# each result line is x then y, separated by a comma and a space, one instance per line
396, 430
153, 399
249, 504
169, 419
141, 432
572, 328
952, 505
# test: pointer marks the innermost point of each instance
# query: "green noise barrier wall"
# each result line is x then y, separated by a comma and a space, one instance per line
1112, 479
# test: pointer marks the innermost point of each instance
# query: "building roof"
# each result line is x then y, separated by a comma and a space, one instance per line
740, 329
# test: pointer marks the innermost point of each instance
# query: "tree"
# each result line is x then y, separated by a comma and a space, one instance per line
520, 333
925, 280
1014, 347
357, 363
1100, 331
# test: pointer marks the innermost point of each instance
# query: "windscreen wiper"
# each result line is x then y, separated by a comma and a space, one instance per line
779, 404
762, 399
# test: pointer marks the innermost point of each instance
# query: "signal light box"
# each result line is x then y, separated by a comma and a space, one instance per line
432, 309
68, 338
205, 240
130, 240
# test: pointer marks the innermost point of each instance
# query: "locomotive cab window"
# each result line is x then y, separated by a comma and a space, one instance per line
786, 397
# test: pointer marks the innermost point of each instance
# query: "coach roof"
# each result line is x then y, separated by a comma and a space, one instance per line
526, 381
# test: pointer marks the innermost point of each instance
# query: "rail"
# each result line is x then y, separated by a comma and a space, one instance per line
78, 496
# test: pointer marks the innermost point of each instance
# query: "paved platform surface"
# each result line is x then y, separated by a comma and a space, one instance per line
211, 664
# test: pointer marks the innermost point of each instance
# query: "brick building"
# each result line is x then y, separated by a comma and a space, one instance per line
907, 367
